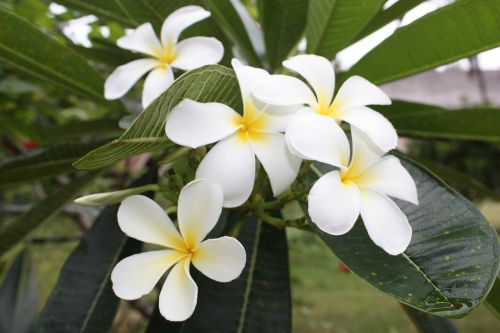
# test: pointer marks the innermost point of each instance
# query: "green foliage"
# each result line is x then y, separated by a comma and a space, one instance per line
108, 10
426, 323
493, 299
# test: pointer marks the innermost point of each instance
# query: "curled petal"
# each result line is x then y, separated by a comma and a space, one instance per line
196, 52
317, 71
156, 83
357, 91
137, 275
179, 294
143, 39
221, 259
141, 218
178, 21
334, 205
231, 163
386, 224
364, 152
248, 77
195, 124
125, 76
199, 208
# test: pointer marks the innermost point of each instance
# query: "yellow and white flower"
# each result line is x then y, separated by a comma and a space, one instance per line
221, 259
339, 197
166, 54
349, 104
231, 162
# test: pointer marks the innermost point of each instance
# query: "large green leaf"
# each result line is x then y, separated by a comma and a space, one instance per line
456, 31
83, 300
427, 323
14, 231
258, 301
332, 25
283, 22
75, 129
451, 263
43, 162
213, 83
27, 49
153, 11
108, 9
19, 297
493, 299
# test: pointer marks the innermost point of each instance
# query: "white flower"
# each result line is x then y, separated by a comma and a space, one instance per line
221, 259
339, 197
349, 105
231, 162
166, 54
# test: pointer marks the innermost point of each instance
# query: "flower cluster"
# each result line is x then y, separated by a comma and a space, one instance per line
283, 122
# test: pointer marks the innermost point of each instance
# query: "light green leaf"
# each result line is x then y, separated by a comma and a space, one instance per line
283, 22
452, 260
332, 25
213, 83
450, 33
27, 49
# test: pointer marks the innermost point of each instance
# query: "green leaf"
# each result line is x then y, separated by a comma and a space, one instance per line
450, 33
452, 260
27, 49
283, 23
333, 25
107, 10
43, 162
228, 19
478, 124
76, 129
258, 301
83, 300
19, 297
493, 299
14, 231
213, 83
427, 323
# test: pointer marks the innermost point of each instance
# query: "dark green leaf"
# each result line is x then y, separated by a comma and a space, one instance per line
493, 299
83, 300
332, 25
283, 22
213, 83
19, 297
456, 31
14, 231
107, 10
76, 129
258, 301
32, 52
427, 323
452, 260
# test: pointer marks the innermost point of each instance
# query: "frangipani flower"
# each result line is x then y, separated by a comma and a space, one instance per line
339, 197
221, 259
349, 105
231, 162
166, 54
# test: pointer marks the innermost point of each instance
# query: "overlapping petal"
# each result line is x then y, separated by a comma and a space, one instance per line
221, 259
125, 76
141, 218
156, 83
248, 77
143, 39
195, 124
178, 21
334, 205
231, 163
357, 91
196, 52
364, 153
198, 210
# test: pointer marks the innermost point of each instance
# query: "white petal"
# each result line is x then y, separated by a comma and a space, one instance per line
276, 110
364, 152
357, 91
391, 178
374, 125
248, 77
156, 83
143, 219
125, 76
137, 275
281, 166
317, 71
195, 124
198, 210
386, 224
221, 259
142, 39
283, 90
178, 21
334, 205
276, 124
179, 294
196, 52
318, 138
231, 163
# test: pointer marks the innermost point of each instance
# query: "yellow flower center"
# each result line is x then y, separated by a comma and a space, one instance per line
330, 110
167, 56
251, 123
